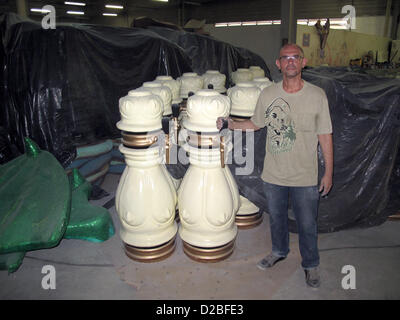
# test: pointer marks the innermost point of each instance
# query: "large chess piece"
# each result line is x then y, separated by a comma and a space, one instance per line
241, 75
257, 72
164, 92
215, 79
173, 85
208, 197
190, 82
262, 83
244, 98
146, 196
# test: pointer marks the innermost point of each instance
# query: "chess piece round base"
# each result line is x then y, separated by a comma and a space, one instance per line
248, 221
151, 254
394, 217
207, 255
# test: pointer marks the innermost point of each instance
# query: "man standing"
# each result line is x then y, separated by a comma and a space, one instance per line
296, 114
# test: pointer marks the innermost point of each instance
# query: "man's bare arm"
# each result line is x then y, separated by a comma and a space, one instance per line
326, 143
237, 125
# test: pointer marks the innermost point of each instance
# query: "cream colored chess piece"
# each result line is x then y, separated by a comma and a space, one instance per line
257, 72
208, 196
244, 97
262, 83
174, 86
146, 196
216, 79
241, 75
190, 82
163, 92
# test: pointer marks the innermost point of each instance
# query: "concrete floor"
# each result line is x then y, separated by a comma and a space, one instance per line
86, 270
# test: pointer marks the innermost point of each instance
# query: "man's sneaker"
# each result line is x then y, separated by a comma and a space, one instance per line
269, 261
312, 277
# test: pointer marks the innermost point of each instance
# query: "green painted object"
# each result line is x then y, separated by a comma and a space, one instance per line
11, 261
87, 222
35, 199
40, 205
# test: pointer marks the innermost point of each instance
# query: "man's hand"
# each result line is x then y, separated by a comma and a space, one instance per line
237, 125
326, 143
220, 122
326, 184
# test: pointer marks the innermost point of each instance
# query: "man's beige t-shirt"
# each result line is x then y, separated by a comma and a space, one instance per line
293, 121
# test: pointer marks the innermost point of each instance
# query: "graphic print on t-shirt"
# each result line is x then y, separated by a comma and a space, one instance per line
281, 133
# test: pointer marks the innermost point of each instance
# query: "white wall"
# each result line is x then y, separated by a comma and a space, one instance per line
372, 25
262, 40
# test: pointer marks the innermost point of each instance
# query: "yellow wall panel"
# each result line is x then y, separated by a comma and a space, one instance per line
341, 46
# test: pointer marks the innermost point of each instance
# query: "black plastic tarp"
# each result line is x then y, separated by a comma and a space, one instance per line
365, 113
207, 53
61, 87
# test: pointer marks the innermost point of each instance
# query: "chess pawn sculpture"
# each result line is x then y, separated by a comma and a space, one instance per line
242, 75
262, 83
146, 197
208, 195
257, 72
163, 92
190, 82
174, 86
216, 79
244, 97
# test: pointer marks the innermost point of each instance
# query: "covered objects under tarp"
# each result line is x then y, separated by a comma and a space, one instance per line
365, 113
61, 87
207, 53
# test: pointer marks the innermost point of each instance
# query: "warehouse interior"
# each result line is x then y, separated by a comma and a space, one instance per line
67, 68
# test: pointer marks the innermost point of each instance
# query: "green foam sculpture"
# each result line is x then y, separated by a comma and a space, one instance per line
40, 206
87, 222
11, 261
35, 199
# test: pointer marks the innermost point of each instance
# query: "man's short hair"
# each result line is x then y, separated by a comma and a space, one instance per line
292, 45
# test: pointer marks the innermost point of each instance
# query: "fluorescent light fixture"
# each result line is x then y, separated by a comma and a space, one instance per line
110, 14
75, 3
276, 22
161, 0
302, 21
219, 25
338, 27
249, 23
40, 10
75, 12
234, 24
111, 6
264, 23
